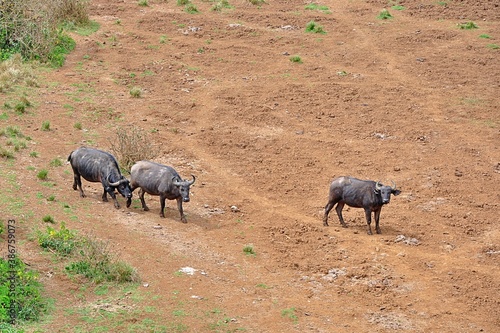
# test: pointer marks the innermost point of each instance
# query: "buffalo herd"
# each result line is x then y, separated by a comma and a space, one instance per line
161, 180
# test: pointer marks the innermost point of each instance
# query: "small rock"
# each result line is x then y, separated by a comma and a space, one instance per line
145, 285
235, 209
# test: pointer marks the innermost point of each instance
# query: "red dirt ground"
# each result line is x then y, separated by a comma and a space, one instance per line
412, 100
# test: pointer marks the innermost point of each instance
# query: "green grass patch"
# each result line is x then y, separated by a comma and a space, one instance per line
291, 314
249, 250
313, 27
45, 126
42, 174
296, 59
384, 15
485, 36
221, 5
493, 46
468, 25
20, 292
398, 7
315, 6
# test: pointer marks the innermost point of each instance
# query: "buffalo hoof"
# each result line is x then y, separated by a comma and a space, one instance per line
146, 209
183, 220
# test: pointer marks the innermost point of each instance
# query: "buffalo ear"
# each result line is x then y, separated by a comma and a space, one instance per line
396, 192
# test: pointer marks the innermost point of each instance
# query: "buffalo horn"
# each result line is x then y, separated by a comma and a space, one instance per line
192, 181
378, 186
116, 183
394, 185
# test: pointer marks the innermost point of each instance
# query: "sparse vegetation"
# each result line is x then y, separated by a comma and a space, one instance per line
296, 59
249, 250
315, 6
290, 313
191, 8
90, 257
468, 25
313, 27
135, 92
130, 145
56, 162
493, 46
220, 5
42, 174
77, 125
485, 36
14, 72
143, 3
384, 15
183, 2
48, 219
257, 2
46, 126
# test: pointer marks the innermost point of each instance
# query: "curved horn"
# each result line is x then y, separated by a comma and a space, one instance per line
175, 182
122, 180
394, 185
192, 181
378, 186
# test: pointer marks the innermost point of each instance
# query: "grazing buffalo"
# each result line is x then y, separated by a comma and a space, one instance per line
162, 180
99, 166
366, 194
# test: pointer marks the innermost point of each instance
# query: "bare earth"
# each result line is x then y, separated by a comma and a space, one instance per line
414, 100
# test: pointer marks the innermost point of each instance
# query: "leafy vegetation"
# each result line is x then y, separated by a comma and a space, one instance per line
296, 59
46, 126
468, 25
33, 29
220, 5
90, 257
20, 293
384, 15
315, 6
42, 174
290, 313
136, 92
249, 250
313, 27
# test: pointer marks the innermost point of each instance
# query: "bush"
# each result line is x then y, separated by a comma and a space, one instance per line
31, 28
62, 241
20, 292
132, 145
97, 264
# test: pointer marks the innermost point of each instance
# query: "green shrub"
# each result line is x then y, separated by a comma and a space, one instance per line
42, 174
249, 250
56, 162
32, 28
468, 26
143, 3
48, 219
314, 27
62, 241
135, 92
384, 15
20, 292
46, 126
191, 9
96, 263
77, 125
296, 59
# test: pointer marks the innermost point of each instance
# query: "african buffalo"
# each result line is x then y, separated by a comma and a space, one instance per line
162, 180
366, 194
99, 166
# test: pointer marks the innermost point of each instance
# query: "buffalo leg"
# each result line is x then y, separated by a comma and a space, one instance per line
179, 206
141, 196
339, 208
77, 183
328, 208
377, 218
112, 195
368, 214
162, 205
